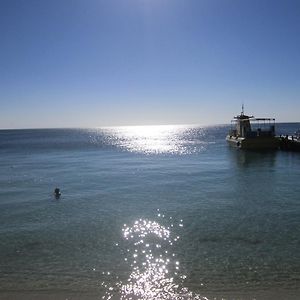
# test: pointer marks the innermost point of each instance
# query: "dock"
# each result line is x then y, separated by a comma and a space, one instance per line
289, 143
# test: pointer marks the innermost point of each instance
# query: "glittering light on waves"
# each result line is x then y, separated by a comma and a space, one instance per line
172, 139
155, 271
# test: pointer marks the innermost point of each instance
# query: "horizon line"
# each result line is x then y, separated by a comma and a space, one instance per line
118, 126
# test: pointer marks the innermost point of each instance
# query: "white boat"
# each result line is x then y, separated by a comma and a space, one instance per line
252, 133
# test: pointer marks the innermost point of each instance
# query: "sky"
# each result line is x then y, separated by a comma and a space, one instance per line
93, 63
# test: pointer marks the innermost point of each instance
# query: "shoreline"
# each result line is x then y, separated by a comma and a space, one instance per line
268, 294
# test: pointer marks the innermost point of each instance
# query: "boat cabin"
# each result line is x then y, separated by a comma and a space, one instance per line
250, 127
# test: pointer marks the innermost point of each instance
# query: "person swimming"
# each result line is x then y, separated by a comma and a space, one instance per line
57, 193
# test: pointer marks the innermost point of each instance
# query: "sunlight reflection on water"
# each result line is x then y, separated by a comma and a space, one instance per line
155, 271
173, 139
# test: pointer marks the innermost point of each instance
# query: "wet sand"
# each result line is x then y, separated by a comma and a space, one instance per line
278, 294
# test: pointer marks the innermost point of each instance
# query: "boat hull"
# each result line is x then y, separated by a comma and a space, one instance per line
257, 143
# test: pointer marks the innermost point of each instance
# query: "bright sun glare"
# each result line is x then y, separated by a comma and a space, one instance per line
152, 139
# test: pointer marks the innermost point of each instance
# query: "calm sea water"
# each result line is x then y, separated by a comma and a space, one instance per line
153, 212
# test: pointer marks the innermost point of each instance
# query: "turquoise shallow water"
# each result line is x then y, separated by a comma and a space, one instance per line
154, 212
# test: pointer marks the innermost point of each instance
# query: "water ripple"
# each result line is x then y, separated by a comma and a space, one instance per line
154, 269
171, 139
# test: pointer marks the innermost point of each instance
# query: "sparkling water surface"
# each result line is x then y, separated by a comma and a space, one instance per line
148, 212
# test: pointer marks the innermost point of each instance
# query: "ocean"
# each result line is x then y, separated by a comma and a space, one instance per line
147, 212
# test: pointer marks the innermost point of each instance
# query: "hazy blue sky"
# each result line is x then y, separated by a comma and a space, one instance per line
73, 63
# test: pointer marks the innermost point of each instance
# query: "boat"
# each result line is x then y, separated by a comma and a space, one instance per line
250, 133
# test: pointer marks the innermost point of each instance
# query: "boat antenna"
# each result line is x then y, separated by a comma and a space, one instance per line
242, 113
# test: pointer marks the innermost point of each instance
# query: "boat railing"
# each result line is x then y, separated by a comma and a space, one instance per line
259, 133
259, 127
263, 127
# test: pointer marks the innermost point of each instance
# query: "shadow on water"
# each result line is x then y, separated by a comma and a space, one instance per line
253, 173
249, 159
